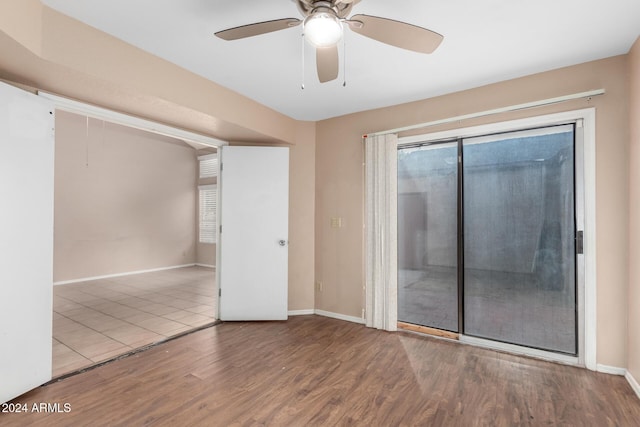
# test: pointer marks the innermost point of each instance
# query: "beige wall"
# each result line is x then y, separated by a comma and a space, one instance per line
633, 358
24, 23
206, 253
302, 217
339, 183
124, 200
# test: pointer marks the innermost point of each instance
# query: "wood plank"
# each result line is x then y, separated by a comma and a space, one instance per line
428, 331
316, 371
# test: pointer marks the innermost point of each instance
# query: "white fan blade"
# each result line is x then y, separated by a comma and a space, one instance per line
396, 33
327, 63
257, 29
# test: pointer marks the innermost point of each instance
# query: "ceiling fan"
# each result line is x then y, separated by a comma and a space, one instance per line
322, 25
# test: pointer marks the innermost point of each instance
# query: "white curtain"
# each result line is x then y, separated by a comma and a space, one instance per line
381, 289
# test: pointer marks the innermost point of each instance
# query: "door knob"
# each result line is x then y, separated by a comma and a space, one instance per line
282, 242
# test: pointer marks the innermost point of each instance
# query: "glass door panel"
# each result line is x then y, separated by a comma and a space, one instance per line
427, 235
519, 230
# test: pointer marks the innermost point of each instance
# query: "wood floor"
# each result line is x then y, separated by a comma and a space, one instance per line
312, 371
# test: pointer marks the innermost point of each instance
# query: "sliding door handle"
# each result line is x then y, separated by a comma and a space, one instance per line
580, 242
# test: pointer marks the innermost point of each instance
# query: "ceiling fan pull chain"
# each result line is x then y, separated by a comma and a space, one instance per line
302, 40
344, 60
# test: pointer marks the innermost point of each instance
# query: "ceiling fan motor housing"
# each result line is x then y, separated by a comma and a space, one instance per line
338, 8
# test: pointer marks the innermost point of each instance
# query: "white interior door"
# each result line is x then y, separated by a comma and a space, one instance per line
26, 240
254, 239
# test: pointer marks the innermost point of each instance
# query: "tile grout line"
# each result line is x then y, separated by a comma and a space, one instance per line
69, 347
163, 336
137, 309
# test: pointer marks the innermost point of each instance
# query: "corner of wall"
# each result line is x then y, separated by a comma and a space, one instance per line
302, 181
633, 299
633, 383
22, 21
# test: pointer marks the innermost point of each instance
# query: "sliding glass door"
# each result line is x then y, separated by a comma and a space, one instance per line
519, 231
494, 217
427, 235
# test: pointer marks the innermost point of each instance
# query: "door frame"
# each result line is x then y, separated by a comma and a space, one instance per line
78, 107
586, 264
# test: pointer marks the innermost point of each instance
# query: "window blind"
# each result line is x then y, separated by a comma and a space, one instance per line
208, 208
208, 166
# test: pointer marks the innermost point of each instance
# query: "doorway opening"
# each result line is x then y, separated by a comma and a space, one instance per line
131, 266
490, 237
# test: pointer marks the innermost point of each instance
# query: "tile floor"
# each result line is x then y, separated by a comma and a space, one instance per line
96, 320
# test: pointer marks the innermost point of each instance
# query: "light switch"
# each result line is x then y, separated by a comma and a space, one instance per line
336, 222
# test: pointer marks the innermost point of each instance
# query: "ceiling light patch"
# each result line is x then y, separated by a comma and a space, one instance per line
322, 29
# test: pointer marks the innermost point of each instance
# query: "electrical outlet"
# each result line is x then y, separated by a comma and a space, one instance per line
319, 286
336, 222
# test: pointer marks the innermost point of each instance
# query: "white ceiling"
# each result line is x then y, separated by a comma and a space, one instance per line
484, 42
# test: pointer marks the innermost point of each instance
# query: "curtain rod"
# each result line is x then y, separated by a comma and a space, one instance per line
533, 104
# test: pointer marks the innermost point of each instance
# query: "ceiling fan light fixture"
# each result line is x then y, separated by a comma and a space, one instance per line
323, 23
322, 29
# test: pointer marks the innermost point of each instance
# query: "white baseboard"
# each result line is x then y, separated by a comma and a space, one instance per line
205, 265
520, 350
301, 312
634, 384
108, 276
613, 370
339, 316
